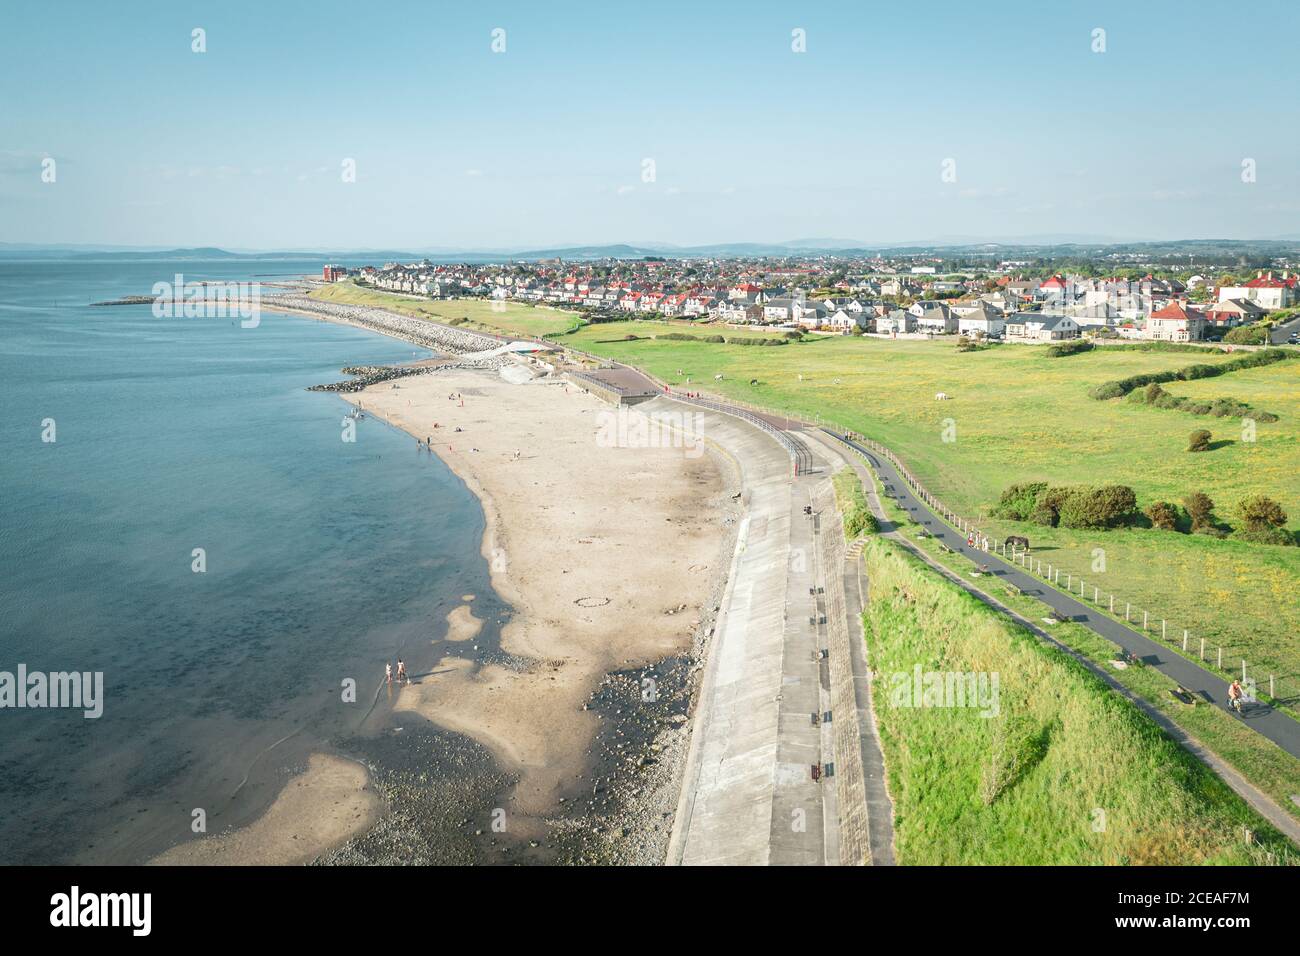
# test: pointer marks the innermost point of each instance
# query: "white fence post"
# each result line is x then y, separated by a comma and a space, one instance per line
1202, 648
1184, 639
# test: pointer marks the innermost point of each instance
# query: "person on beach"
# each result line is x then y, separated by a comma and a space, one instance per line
388, 671
401, 671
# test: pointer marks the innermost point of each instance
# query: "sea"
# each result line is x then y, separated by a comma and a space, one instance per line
181, 516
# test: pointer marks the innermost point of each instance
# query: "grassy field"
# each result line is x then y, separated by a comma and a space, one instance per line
1065, 771
1017, 415
509, 318
1259, 760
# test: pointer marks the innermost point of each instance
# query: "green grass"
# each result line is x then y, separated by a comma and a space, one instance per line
1259, 760
1025, 786
1017, 415
510, 318
852, 504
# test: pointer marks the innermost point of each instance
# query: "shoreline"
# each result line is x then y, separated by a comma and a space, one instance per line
540, 632
592, 770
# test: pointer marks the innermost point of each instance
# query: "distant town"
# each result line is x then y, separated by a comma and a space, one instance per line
1009, 301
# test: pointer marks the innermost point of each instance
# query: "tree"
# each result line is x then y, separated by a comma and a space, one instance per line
1199, 440
1260, 513
1255, 334
1200, 508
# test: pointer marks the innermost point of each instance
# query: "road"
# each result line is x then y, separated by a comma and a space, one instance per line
1282, 333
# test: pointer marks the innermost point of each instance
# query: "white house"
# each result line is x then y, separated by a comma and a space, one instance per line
1036, 327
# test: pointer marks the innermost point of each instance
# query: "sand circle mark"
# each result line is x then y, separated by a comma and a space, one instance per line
591, 601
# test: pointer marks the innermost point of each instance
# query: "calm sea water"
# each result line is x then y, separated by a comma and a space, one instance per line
324, 558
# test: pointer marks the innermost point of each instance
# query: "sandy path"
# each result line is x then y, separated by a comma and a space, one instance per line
630, 531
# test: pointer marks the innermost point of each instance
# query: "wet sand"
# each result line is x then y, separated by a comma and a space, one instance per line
327, 804
603, 552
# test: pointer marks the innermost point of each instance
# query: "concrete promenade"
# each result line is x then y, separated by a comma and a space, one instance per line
748, 792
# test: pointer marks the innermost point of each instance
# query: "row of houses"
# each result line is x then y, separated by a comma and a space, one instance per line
1007, 307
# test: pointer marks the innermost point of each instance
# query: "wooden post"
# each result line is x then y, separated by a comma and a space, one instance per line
1112, 604
1221, 658
1270, 687
1144, 621
1096, 595
1202, 648
1243, 670
1127, 608
1184, 639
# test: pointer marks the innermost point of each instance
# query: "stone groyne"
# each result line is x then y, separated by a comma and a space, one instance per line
422, 332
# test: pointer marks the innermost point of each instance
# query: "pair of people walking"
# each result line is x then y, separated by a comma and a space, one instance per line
401, 672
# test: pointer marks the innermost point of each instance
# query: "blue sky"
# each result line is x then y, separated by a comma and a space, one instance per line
460, 147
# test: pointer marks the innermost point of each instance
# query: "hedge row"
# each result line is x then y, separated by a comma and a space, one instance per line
1068, 348
718, 339
1121, 387
1225, 407
1262, 520
1070, 506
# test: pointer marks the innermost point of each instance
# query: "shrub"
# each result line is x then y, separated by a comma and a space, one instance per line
1278, 536
1018, 501
1248, 335
1259, 513
1199, 440
859, 521
1110, 506
1107, 391
714, 338
1200, 508
1163, 515
1044, 514
1047, 511
1068, 348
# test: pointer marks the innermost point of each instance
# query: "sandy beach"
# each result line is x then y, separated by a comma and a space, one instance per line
605, 554
607, 551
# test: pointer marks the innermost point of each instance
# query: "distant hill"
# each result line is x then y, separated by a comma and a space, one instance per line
1047, 246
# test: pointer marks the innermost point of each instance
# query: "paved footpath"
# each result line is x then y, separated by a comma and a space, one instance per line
1276, 725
